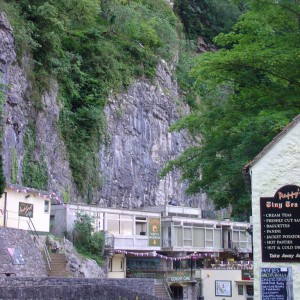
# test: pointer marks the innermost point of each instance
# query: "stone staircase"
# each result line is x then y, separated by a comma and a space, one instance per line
58, 265
160, 292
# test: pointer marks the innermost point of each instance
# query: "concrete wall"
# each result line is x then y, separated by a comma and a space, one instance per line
40, 219
76, 288
11, 238
209, 277
280, 166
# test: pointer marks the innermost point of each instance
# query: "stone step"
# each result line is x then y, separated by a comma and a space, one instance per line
160, 292
58, 265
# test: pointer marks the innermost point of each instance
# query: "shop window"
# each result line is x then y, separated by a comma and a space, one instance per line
249, 289
240, 289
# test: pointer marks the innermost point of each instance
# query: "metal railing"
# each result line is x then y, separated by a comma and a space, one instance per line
39, 242
166, 285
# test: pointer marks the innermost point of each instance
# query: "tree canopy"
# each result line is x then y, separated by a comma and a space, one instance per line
206, 18
249, 90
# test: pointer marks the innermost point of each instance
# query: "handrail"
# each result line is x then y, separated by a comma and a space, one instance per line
33, 231
47, 255
37, 240
166, 285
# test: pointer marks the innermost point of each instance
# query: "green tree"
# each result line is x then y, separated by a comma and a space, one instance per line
87, 241
206, 18
249, 91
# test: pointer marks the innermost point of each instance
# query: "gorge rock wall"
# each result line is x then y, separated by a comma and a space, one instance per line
21, 112
139, 141
141, 144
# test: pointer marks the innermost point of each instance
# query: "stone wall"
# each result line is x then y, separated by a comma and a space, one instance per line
79, 288
16, 239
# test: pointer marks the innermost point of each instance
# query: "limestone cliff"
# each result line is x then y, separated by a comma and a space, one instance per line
139, 142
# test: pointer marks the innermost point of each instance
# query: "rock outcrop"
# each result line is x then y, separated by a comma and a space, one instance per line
141, 144
138, 122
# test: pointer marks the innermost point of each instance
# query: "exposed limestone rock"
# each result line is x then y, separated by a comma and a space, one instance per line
19, 112
140, 145
138, 123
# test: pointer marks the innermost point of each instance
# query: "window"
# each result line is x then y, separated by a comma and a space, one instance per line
140, 226
199, 237
240, 289
187, 233
113, 224
126, 225
119, 224
217, 238
209, 238
178, 236
249, 289
47, 206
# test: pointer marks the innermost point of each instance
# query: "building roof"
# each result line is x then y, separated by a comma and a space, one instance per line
266, 149
42, 194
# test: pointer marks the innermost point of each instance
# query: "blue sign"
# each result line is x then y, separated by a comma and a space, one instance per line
276, 283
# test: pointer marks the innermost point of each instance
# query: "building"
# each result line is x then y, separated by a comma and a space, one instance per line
25, 208
274, 180
170, 243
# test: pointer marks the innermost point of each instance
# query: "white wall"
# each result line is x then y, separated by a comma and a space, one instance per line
209, 277
41, 219
280, 166
117, 267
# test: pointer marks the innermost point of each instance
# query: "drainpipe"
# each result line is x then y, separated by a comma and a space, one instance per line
5, 201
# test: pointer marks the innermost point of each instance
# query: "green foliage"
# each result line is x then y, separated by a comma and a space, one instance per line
35, 173
94, 49
88, 242
66, 195
249, 91
185, 63
14, 166
206, 18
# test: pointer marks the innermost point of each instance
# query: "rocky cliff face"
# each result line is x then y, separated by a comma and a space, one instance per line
20, 112
139, 143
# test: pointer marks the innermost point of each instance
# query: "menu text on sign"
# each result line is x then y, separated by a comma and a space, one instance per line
280, 225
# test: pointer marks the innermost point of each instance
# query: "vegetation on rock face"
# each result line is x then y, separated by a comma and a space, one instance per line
241, 96
249, 91
2, 178
88, 242
93, 49
34, 168
206, 18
